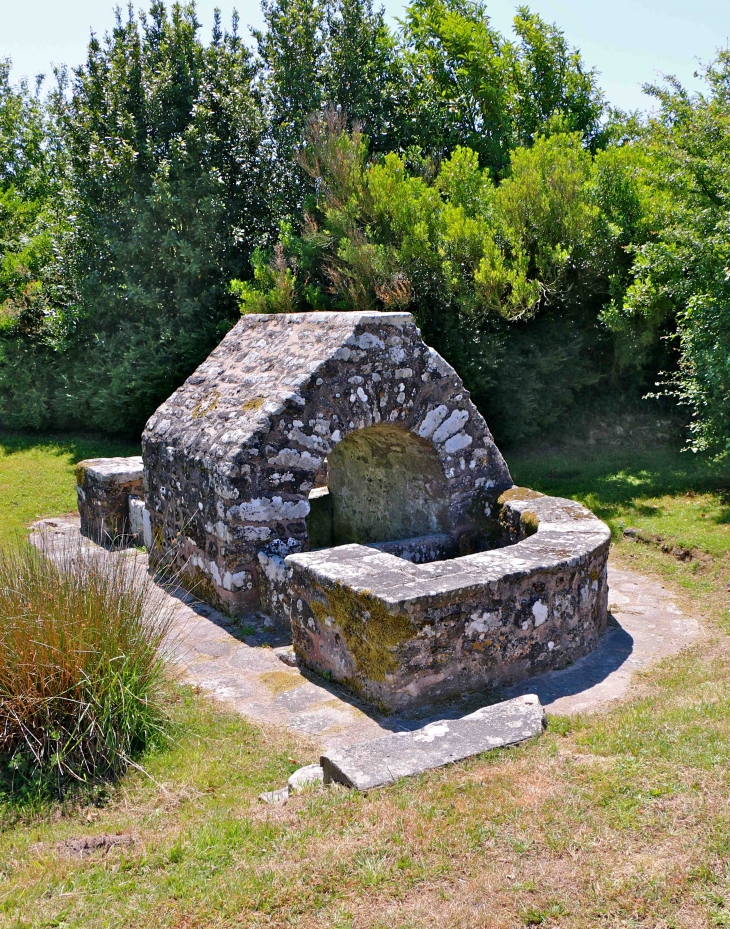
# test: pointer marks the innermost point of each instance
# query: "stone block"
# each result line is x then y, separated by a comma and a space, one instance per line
404, 754
140, 526
136, 519
319, 520
104, 487
307, 776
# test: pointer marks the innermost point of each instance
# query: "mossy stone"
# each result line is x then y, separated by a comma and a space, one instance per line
371, 632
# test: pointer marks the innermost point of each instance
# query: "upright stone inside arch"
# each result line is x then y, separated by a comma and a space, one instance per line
386, 483
232, 456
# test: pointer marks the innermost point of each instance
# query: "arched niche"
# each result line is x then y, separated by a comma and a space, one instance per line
384, 483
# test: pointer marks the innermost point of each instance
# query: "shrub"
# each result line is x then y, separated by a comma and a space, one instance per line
81, 672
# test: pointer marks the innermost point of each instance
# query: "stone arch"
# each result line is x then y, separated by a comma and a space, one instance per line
384, 483
232, 457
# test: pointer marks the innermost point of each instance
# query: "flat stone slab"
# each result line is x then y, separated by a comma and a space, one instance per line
373, 764
114, 470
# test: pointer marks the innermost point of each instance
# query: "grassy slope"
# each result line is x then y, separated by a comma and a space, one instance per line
36, 475
616, 820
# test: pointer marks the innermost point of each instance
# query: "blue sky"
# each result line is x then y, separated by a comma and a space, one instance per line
628, 41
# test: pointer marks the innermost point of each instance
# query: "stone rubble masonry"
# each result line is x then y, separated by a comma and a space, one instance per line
401, 634
432, 576
382, 761
104, 487
231, 457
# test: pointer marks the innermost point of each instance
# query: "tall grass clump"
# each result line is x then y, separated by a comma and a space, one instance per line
81, 674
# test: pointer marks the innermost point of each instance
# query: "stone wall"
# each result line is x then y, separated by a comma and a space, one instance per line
400, 634
103, 488
385, 484
231, 457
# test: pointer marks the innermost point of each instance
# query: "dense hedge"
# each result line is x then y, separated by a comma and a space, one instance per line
562, 256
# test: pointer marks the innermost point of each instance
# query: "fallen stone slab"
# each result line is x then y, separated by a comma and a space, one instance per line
382, 761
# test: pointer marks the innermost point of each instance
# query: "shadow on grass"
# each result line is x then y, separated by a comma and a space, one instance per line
76, 447
614, 479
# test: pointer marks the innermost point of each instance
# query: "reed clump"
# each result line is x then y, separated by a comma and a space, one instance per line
82, 679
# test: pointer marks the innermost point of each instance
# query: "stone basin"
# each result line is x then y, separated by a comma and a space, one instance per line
400, 634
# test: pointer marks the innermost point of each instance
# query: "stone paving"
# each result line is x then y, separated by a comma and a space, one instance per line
236, 661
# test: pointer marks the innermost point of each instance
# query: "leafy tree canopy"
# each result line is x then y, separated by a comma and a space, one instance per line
680, 279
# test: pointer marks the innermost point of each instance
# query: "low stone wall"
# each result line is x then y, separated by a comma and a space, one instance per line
401, 634
104, 487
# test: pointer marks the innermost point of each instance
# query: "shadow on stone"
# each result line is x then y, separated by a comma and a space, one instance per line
253, 629
612, 651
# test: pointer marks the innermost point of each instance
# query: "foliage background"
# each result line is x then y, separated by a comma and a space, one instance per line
564, 257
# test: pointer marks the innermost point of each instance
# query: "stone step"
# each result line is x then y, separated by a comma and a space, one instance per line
403, 754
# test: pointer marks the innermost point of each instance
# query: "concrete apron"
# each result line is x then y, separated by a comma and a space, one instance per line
236, 661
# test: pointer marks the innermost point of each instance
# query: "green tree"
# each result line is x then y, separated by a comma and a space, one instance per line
328, 54
478, 89
27, 183
506, 281
167, 182
31, 214
680, 284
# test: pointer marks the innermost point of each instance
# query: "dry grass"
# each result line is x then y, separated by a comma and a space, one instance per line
620, 819
81, 680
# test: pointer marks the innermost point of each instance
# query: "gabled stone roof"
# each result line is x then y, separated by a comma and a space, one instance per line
263, 364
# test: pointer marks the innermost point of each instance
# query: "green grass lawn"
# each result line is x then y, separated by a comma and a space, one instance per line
37, 475
660, 489
620, 819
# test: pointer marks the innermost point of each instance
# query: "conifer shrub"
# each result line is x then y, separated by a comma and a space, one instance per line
82, 680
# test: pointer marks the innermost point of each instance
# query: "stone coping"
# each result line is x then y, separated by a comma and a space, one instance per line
326, 317
564, 534
112, 470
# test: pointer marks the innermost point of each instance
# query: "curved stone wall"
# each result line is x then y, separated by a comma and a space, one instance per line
400, 634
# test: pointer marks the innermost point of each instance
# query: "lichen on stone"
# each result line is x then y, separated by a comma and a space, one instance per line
206, 405
530, 523
518, 493
202, 586
371, 632
279, 682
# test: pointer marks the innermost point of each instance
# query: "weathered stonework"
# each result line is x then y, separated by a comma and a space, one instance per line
232, 456
403, 754
400, 634
330, 469
103, 488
